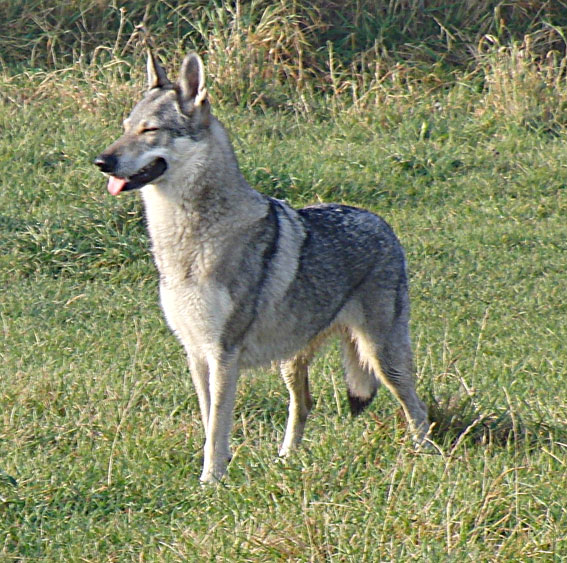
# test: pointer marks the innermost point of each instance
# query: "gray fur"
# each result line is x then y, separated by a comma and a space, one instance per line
246, 279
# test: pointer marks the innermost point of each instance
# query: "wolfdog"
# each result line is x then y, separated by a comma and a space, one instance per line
245, 279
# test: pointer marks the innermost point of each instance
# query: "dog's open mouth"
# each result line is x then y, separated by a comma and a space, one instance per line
146, 175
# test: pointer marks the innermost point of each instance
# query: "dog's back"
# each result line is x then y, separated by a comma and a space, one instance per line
333, 257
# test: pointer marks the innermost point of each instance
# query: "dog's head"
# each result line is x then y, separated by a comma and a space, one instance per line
163, 126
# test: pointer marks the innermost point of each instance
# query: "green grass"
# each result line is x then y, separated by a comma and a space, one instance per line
100, 437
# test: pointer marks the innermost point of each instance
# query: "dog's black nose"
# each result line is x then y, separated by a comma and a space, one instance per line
106, 162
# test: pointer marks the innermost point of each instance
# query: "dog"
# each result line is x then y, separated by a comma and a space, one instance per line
246, 280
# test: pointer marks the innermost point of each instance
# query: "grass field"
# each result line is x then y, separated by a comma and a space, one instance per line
100, 437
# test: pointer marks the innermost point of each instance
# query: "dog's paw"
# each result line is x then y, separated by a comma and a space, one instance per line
209, 479
214, 472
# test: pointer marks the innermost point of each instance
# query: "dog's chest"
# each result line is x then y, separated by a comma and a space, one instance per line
197, 313
182, 252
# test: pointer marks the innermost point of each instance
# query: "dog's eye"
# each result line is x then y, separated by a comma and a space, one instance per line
148, 129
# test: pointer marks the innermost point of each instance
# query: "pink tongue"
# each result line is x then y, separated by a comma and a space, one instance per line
116, 185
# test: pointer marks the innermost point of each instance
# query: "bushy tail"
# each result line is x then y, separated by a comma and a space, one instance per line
361, 382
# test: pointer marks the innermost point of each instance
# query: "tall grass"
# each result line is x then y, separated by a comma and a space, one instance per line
287, 48
314, 56
49, 33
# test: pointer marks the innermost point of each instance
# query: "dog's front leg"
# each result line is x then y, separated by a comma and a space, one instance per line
199, 370
223, 376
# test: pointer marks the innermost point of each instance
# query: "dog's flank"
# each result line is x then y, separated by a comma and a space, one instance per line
245, 279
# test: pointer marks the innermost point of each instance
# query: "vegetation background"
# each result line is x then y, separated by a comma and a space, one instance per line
447, 118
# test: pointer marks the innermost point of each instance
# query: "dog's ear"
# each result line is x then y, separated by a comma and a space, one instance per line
156, 74
192, 94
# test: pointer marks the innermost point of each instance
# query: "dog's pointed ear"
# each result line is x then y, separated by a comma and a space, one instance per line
156, 74
192, 91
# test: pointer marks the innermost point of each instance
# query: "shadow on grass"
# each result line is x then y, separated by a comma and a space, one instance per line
459, 418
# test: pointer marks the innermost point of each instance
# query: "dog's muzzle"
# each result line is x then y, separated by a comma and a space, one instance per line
117, 184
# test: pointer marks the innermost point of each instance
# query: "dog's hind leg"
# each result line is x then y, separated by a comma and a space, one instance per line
295, 375
360, 380
386, 349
